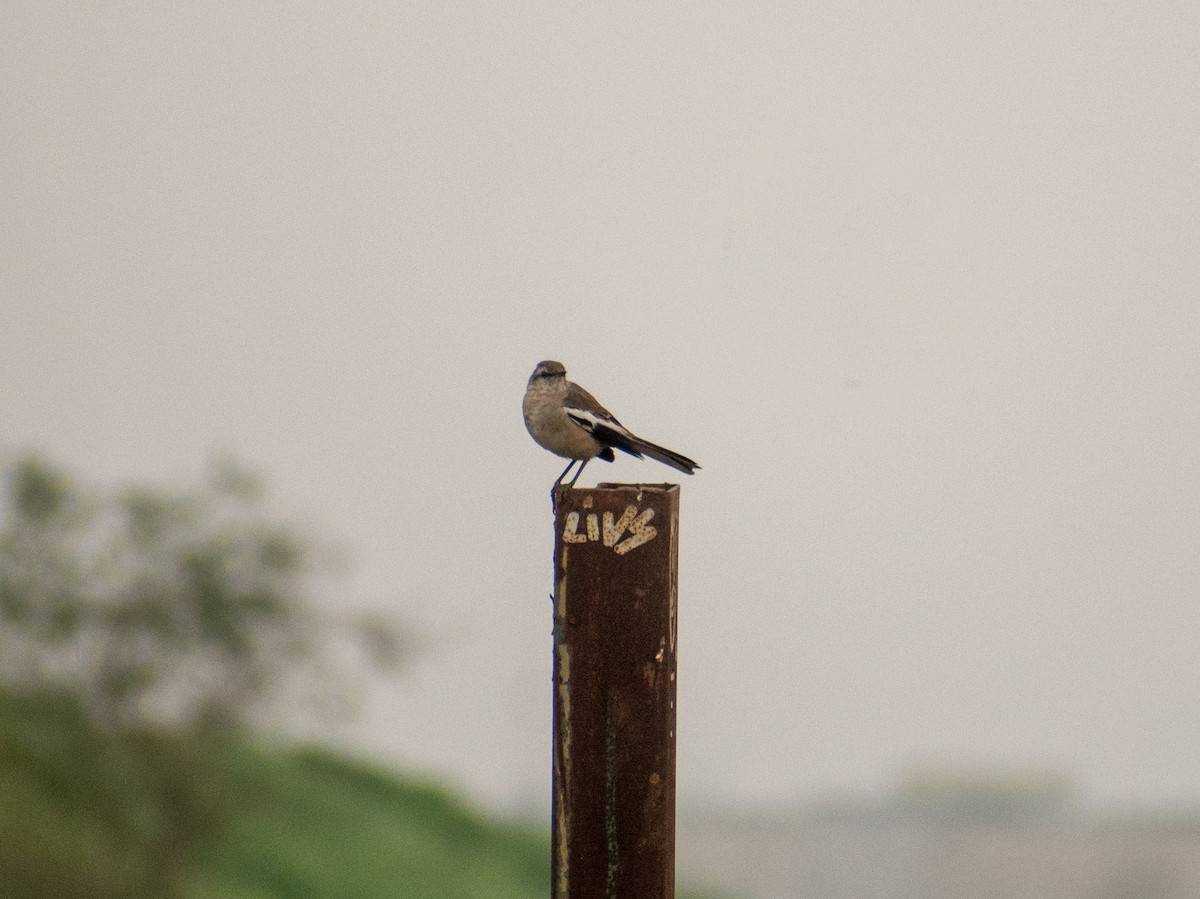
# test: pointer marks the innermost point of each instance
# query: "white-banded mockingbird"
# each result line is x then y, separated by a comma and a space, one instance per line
567, 420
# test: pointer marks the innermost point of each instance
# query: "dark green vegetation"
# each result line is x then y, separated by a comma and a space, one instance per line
79, 813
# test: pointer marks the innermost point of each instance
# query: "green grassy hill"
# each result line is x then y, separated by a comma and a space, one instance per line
77, 819
319, 825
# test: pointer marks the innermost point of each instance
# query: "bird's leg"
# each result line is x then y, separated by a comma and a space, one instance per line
554, 487
582, 463
564, 474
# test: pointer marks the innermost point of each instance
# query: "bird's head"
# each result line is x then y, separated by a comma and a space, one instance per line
547, 372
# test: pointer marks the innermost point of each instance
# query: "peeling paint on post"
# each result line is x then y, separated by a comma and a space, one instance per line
616, 553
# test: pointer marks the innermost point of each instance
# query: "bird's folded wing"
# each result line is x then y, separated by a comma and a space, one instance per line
579, 400
601, 425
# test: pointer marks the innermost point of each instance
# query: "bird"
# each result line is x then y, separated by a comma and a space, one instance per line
567, 420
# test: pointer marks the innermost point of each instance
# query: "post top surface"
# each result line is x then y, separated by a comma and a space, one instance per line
638, 488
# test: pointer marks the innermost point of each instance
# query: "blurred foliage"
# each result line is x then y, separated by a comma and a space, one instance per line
78, 812
162, 624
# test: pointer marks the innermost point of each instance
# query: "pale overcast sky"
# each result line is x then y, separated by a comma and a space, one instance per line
916, 283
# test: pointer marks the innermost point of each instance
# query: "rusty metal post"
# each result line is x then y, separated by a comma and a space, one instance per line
616, 554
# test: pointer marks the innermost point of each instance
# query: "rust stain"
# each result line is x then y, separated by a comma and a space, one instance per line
562, 739
612, 844
563, 772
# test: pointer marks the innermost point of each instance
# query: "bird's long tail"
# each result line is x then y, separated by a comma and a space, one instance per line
636, 446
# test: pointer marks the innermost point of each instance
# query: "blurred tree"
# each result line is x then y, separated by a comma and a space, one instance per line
171, 620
